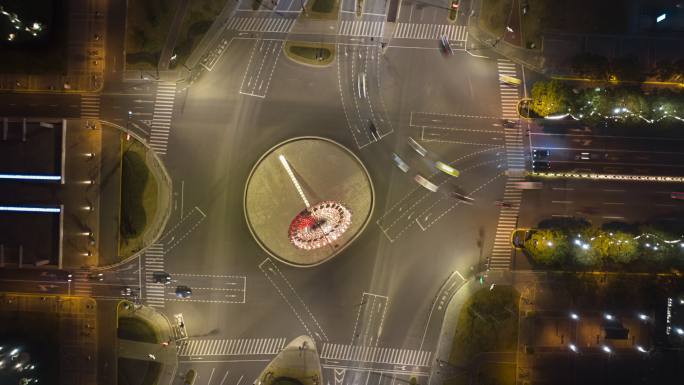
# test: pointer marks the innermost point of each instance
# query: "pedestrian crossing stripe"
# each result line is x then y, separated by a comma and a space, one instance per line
231, 347
154, 261
430, 31
375, 354
361, 28
90, 106
161, 117
261, 24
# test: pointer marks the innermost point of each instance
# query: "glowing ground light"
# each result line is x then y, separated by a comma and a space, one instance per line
319, 225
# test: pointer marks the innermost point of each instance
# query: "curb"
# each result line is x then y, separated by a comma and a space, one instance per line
164, 178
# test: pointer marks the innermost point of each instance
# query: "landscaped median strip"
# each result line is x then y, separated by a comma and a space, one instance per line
596, 176
314, 54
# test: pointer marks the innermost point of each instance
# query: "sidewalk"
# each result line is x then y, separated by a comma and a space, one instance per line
439, 373
165, 355
298, 360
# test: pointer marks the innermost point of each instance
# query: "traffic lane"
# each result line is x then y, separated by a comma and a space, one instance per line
612, 162
34, 286
427, 11
587, 142
40, 105
455, 121
599, 201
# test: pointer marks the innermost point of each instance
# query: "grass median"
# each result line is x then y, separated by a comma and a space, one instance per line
488, 322
138, 197
147, 25
197, 21
136, 329
322, 9
314, 54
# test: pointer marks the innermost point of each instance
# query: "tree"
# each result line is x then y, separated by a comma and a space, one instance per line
590, 65
547, 246
551, 97
627, 68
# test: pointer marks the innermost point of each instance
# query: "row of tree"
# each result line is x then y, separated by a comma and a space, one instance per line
599, 67
582, 245
624, 103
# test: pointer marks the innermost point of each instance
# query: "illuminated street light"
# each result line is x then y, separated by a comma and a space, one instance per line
608, 316
643, 317
574, 316
573, 347
606, 349
641, 349
549, 244
679, 331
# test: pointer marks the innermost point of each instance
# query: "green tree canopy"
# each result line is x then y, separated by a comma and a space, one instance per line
547, 246
551, 97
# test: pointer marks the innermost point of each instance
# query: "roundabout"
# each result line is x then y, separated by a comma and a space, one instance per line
306, 200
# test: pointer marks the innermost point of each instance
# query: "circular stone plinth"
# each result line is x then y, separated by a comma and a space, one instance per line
330, 176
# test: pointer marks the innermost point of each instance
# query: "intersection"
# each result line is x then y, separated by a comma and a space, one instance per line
375, 310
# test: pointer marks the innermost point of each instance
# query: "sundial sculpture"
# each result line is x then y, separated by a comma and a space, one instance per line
318, 225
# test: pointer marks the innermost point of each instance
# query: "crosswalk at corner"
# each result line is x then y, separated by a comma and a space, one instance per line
391, 356
361, 28
90, 106
234, 347
500, 258
510, 95
81, 286
154, 261
161, 118
261, 24
430, 31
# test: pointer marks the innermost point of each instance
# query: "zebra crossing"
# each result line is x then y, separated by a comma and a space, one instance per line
430, 31
81, 285
509, 94
90, 106
261, 24
161, 117
375, 354
361, 28
154, 261
500, 258
232, 347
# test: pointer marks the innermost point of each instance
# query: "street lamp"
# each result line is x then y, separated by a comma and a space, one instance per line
643, 317
606, 349
641, 349
573, 347
574, 316
608, 316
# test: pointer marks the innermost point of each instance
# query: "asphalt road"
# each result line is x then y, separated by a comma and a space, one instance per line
374, 309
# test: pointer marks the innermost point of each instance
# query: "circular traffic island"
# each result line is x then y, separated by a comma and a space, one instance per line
307, 199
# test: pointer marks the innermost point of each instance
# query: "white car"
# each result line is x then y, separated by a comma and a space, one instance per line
400, 163
425, 183
417, 147
361, 85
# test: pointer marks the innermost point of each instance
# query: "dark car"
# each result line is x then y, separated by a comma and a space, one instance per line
444, 46
161, 277
183, 292
509, 123
373, 131
541, 154
96, 277
541, 165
